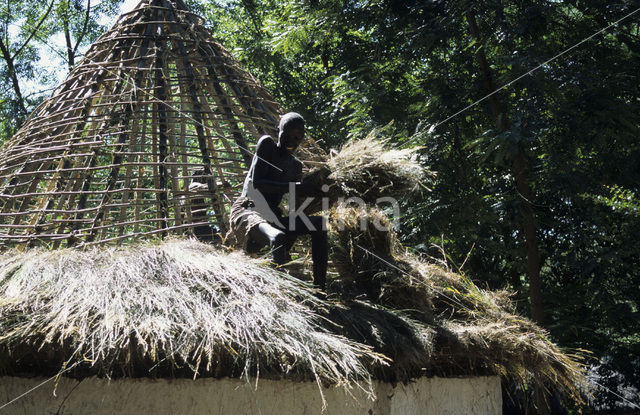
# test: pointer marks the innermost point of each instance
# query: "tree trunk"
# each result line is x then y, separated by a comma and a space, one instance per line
11, 70
520, 171
70, 51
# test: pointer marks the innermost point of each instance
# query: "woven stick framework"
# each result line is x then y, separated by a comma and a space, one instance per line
150, 134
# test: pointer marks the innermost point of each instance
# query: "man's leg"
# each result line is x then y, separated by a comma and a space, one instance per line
267, 234
288, 244
319, 246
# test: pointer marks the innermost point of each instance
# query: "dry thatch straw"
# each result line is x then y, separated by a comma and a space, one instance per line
368, 169
183, 308
404, 340
180, 307
471, 330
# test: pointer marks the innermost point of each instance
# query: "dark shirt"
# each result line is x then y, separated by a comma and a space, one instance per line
271, 171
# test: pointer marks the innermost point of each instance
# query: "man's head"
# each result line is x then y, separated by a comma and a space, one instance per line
291, 131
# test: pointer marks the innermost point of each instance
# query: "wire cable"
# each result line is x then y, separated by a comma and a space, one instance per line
434, 126
38, 386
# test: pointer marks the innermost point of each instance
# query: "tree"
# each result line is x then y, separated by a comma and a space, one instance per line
69, 15
79, 23
25, 27
17, 54
520, 171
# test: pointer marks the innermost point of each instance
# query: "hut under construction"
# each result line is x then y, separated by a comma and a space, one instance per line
154, 106
105, 300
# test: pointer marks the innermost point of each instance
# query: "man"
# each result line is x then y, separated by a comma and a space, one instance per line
256, 218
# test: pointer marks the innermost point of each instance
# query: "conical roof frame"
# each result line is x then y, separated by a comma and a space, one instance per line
151, 133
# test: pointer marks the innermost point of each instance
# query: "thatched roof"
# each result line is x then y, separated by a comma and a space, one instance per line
179, 308
184, 308
154, 105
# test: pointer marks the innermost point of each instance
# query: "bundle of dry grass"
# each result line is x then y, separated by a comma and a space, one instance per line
470, 330
179, 308
365, 250
392, 333
368, 169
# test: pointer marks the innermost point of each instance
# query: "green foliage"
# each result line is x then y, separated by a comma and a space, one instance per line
27, 52
351, 65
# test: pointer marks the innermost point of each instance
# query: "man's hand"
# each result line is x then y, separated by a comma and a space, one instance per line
312, 183
308, 188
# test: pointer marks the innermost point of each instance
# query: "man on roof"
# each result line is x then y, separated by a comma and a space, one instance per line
256, 218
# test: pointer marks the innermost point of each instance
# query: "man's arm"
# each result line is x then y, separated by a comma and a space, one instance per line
263, 161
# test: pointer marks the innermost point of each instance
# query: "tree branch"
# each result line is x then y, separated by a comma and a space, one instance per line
84, 28
67, 36
6, 54
6, 23
44, 17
